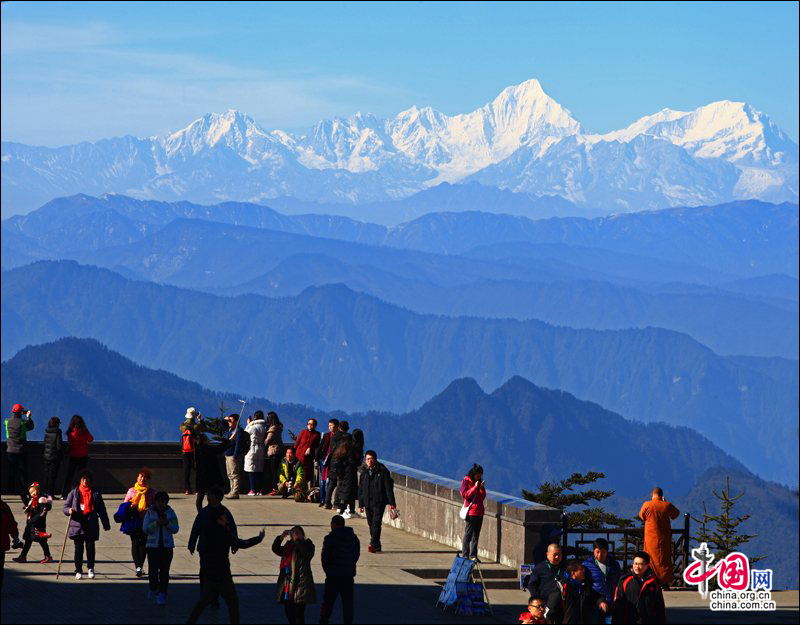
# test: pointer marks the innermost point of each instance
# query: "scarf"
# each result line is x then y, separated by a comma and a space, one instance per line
287, 567
142, 490
86, 499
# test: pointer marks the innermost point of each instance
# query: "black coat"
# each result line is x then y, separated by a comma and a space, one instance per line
376, 487
345, 469
579, 603
639, 600
542, 580
208, 472
53, 445
340, 551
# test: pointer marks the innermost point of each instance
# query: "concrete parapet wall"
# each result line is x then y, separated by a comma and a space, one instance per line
514, 530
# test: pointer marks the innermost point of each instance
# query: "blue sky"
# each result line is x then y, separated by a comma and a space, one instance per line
82, 71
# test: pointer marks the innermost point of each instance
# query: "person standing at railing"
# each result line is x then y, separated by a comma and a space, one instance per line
78, 439
324, 459
656, 515
234, 454
208, 473
53, 450
305, 449
190, 428
254, 458
17, 427
275, 451
473, 490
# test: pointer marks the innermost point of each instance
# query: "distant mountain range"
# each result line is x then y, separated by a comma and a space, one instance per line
333, 348
599, 273
523, 141
522, 434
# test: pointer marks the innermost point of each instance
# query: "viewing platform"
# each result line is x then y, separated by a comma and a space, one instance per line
399, 585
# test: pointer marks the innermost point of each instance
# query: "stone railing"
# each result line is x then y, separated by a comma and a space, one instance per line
512, 533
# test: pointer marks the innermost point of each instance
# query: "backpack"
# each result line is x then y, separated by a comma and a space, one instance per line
244, 441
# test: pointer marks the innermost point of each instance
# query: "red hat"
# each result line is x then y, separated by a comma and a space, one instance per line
17, 408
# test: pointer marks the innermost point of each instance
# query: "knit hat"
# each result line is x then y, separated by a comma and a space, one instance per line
191, 413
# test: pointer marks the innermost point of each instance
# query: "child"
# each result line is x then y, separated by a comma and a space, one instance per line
38, 505
535, 613
160, 523
86, 510
580, 601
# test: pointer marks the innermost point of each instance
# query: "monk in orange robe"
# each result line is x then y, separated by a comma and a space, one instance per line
656, 515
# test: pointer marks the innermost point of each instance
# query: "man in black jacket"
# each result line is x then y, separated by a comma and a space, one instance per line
215, 536
340, 551
375, 492
543, 578
639, 598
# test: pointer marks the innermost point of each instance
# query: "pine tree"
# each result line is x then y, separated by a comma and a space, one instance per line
721, 531
562, 495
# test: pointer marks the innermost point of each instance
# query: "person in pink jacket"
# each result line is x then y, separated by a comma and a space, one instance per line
473, 490
141, 496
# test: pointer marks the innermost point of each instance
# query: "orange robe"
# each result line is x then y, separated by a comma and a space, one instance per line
658, 537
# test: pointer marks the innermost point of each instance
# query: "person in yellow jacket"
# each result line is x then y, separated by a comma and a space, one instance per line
292, 477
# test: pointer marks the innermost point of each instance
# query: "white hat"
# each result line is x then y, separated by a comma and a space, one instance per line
191, 413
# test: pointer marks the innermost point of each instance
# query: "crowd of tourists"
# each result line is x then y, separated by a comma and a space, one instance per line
332, 470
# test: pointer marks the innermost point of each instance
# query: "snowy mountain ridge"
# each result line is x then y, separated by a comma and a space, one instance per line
523, 141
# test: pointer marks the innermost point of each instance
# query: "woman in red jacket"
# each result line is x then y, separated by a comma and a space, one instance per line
78, 439
473, 490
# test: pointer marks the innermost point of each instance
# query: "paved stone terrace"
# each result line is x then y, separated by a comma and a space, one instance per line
386, 590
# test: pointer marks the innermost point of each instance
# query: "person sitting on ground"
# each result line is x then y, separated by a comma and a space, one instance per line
375, 492
535, 613
602, 572
86, 510
580, 601
638, 598
545, 575
215, 536
36, 509
295, 581
340, 551
292, 479
160, 524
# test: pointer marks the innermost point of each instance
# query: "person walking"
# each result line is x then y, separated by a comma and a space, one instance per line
53, 452
9, 534
254, 458
656, 515
214, 536
275, 451
305, 449
208, 474
140, 496
160, 525
17, 427
375, 492
295, 580
323, 460
86, 510
36, 509
192, 425
473, 490
78, 439
340, 552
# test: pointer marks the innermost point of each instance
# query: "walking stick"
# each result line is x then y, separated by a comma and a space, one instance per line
64, 546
